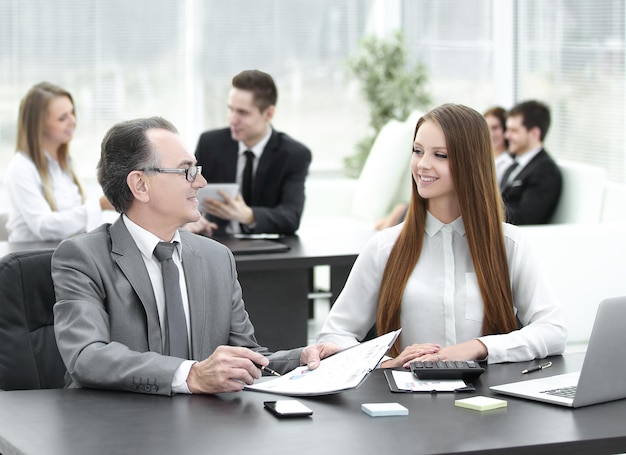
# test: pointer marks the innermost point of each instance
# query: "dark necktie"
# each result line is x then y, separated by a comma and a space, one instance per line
507, 174
246, 181
176, 326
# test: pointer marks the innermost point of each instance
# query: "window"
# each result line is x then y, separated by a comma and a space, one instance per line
173, 58
571, 55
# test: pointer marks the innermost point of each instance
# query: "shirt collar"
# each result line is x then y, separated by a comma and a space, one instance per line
433, 225
51, 161
146, 241
258, 148
525, 158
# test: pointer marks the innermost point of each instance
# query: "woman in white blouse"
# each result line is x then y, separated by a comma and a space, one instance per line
47, 201
460, 283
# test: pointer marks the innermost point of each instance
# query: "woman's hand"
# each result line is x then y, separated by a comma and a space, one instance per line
410, 353
468, 350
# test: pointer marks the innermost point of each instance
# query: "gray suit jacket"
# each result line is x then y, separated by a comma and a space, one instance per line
106, 321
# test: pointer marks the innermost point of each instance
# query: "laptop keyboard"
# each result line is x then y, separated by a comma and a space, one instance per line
565, 392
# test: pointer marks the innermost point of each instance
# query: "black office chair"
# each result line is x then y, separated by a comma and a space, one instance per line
29, 357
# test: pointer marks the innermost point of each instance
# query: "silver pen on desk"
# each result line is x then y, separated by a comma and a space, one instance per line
537, 368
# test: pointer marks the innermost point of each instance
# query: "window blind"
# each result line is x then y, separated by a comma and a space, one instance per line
571, 55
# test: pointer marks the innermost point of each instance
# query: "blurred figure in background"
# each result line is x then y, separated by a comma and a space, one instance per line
46, 199
531, 186
269, 166
496, 119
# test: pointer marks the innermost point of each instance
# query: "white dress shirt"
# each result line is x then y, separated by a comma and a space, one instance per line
257, 149
234, 227
31, 218
147, 242
502, 161
442, 302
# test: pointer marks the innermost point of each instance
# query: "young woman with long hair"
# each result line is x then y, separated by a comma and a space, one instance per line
460, 283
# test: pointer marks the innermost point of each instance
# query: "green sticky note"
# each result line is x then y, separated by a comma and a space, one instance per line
480, 403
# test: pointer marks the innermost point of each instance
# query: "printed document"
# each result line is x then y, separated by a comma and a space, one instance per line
405, 381
344, 370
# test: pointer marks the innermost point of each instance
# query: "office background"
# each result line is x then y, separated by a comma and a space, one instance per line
122, 59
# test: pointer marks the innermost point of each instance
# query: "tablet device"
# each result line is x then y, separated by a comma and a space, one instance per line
212, 190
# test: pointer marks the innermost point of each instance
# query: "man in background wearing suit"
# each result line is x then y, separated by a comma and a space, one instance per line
531, 186
279, 164
118, 324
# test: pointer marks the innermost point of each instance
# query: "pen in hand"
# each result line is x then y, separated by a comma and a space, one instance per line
268, 369
537, 368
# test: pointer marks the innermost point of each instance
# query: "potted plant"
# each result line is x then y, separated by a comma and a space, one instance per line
392, 89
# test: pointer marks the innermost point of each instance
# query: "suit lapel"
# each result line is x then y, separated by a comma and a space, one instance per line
265, 165
536, 161
528, 169
134, 269
231, 157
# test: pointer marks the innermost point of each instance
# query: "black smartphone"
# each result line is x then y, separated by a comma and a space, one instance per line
287, 408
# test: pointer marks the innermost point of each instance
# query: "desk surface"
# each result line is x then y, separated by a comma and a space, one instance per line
310, 249
94, 422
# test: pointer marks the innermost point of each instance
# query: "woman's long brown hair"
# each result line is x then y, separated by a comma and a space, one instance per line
30, 130
470, 155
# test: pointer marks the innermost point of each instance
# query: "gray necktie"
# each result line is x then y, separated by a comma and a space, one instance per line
176, 327
505, 178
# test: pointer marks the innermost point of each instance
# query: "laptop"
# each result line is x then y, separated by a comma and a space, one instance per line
603, 374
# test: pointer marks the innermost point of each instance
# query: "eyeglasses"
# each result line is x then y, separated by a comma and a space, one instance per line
190, 173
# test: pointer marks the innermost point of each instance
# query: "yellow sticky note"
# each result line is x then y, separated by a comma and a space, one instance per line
480, 403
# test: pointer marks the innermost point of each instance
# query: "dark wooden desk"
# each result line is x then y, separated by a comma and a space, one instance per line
103, 422
276, 285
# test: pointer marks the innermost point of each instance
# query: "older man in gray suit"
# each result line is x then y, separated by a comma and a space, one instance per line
111, 315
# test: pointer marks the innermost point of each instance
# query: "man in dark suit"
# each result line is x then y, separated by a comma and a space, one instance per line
531, 187
279, 164
114, 317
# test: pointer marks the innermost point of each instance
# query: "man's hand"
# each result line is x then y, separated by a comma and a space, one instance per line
228, 369
202, 227
396, 216
311, 355
229, 209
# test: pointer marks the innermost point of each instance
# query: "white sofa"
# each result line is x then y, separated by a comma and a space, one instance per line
582, 193
584, 264
614, 203
384, 181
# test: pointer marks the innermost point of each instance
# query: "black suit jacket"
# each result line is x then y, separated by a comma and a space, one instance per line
532, 196
278, 186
